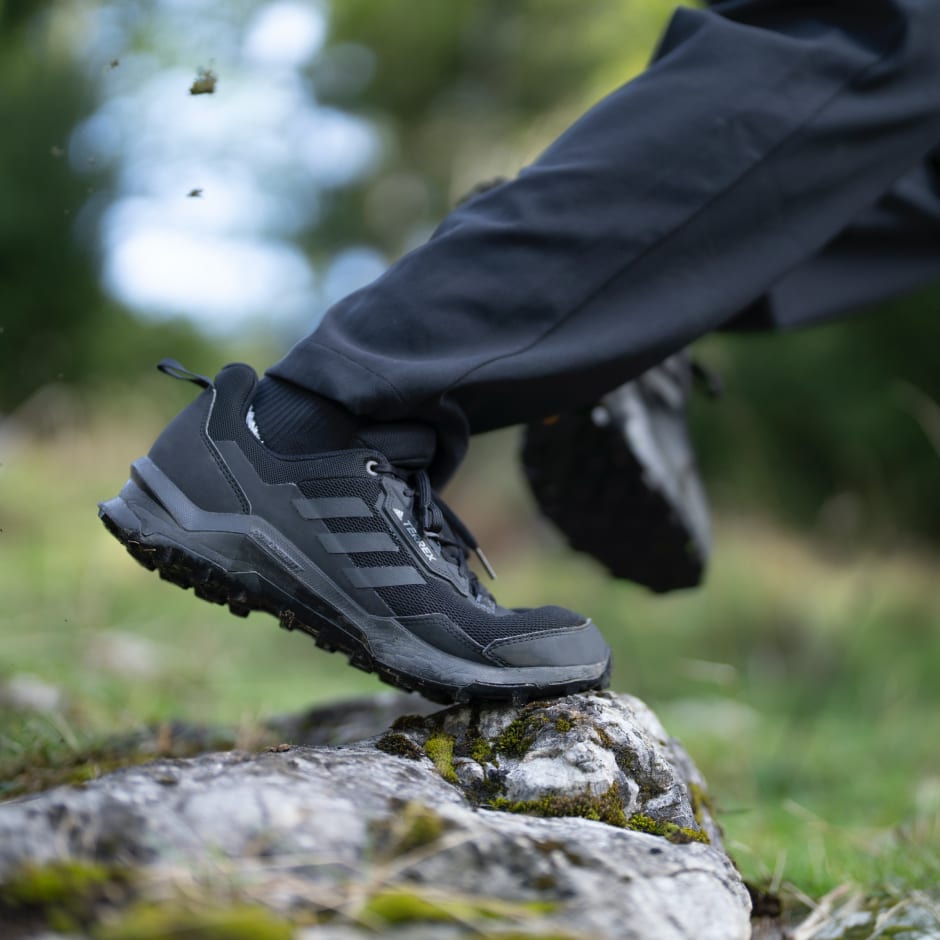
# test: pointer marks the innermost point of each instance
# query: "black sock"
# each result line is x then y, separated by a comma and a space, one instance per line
293, 420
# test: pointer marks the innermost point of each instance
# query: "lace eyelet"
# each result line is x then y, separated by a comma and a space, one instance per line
370, 468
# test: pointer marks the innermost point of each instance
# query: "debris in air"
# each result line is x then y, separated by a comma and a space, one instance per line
205, 82
114, 63
195, 194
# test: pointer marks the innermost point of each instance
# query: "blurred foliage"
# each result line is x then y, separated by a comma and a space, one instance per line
465, 90
838, 426
56, 324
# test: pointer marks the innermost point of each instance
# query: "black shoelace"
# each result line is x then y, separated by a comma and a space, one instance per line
440, 524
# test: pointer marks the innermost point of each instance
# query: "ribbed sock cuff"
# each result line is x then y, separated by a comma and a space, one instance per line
293, 420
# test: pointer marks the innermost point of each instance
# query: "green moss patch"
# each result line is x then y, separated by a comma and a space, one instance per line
399, 745
170, 922
481, 751
397, 906
563, 724
415, 827
605, 807
679, 835
35, 773
440, 748
519, 735
701, 803
412, 723
53, 766
404, 907
63, 894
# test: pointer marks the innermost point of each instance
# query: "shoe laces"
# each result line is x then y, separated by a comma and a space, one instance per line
441, 525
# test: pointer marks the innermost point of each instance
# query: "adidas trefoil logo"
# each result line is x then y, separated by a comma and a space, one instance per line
398, 513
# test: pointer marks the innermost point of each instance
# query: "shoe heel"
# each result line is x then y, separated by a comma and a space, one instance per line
132, 508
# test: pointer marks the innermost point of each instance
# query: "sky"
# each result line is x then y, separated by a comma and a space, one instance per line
212, 188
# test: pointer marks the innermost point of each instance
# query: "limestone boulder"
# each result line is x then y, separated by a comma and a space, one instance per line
578, 817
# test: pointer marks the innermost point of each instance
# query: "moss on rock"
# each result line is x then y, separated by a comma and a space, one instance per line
563, 724
440, 748
62, 894
410, 723
416, 827
399, 745
49, 767
481, 751
400, 906
396, 906
605, 807
701, 803
519, 735
152, 921
678, 835
56, 883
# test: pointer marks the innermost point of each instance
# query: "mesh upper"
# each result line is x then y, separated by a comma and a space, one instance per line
478, 624
434, 597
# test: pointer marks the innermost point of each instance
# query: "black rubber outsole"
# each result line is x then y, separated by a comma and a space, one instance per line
330, 629
588, 482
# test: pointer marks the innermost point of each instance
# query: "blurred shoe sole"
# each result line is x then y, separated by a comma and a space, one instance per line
620, 480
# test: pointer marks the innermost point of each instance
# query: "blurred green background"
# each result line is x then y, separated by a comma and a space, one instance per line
138, 220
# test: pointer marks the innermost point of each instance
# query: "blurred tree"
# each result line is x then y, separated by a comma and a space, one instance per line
837, 425
464, 90
56, 324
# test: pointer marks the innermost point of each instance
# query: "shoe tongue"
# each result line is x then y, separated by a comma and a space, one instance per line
406, 445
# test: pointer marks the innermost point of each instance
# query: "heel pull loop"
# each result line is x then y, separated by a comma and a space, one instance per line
176, 370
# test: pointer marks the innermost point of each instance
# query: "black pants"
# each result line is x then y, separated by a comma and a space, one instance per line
775, 165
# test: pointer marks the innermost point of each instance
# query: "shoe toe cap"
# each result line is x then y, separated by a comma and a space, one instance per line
580, 644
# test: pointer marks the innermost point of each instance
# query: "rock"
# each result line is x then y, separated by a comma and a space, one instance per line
606, 752
847, 914
466, 822
25, 692
346, 722
125, 654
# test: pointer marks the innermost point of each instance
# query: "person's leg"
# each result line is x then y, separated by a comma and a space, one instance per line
760, 132
892, 249
618, 478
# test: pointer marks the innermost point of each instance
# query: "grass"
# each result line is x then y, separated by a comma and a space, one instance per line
806, 686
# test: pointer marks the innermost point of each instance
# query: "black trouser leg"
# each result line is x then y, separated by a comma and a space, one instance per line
891, 250
763, 129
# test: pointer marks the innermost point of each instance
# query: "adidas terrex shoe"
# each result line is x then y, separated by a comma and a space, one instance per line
348, 546
620, 481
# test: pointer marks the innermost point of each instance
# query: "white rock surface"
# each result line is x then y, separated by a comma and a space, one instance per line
25, 692
314, 827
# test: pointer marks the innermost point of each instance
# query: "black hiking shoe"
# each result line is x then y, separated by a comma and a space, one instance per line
348, 546
619, 480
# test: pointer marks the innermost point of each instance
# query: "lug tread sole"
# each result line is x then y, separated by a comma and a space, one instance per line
589, 483
330, 629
